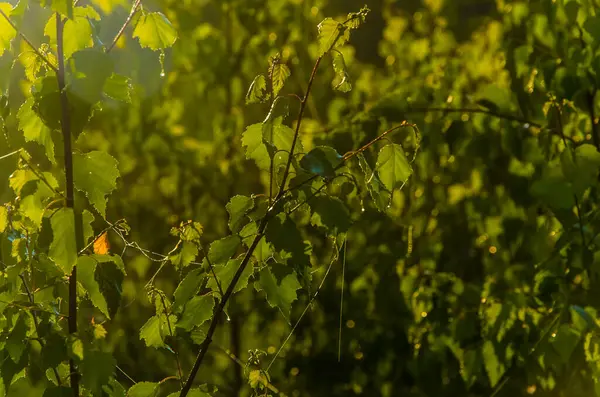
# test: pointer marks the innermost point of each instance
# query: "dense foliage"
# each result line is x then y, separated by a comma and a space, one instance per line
302, 198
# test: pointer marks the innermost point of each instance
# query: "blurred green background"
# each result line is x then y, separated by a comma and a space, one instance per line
443, 293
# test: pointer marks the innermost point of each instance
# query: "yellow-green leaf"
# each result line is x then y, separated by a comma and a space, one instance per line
154, 31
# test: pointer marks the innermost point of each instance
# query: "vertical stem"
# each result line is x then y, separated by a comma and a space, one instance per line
297, 132
70, 197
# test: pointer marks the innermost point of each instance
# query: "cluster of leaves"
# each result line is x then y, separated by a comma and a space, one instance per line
61, 285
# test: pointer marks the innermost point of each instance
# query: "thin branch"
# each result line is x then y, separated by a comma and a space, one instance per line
164, 305
134, 9
221, 306
11, 153
212, 270
297, 132
34, 48
471, 110
65, 124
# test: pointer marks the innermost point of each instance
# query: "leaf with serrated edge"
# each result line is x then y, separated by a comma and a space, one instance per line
393, 166
7, 33
257, 92
198, 310
280, 295
154, 31
63, 250
95, 174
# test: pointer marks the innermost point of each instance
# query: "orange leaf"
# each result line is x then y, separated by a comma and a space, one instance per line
101, 245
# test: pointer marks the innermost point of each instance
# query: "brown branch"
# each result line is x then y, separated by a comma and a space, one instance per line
134, 9
297, 132
65, 124
221, 306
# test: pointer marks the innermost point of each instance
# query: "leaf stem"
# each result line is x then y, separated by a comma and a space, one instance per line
34, 48
134, 9
70, 188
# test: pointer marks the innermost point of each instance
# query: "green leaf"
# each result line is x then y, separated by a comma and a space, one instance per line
88, 73
222, 250
63, 250
380, 195
144, 389
393, 167
196, 392
187, 288
279, 73
7, 33
280, 294
330, 213
64, 7
96, 369
257, 93
565, 342
226, 272
34, 129
3, 218
581, 170
592, 26
322, 161
186, 255
198, 310
341, 82
494, 368
287, 241
95, 173
155, 330
86, 270
118, 87
15, 342
263, 250
154, 31
252, 140
238, 207
553, 189
331, 34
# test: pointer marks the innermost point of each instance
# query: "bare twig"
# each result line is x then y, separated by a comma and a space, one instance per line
134, 9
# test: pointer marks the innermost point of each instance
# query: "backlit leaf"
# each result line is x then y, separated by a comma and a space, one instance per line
257, 92
7, 32
144, 389
279, 72
118, 87
222, 250
154, 31
197, 310
331, 34
393, 166
341, 82
237, 208
187, 288
95, 173
226, 272
280, 294
63, 250
34, 129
